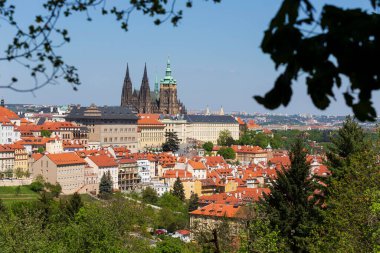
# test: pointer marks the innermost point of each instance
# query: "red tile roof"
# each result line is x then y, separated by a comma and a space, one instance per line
103, 161
177, 173
5, 112
197, 165
218, 210
66, 158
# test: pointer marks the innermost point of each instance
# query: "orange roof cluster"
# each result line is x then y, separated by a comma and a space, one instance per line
251, 125
177, 173
149, 119
70, 158
103, 161
91, 152
35, 140
240, 121
72, 144
248, 149
126, 161
215, 161
280, 160
197, 165
6, 113
218, 210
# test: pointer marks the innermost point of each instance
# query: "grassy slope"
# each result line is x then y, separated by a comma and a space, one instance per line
9, 194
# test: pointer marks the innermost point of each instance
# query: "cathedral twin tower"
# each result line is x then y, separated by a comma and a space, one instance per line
162, 100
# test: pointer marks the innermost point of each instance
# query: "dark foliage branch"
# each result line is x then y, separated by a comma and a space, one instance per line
340, 43
35, 47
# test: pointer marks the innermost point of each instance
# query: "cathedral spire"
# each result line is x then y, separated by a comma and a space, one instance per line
145, 77
144, 95
126, 93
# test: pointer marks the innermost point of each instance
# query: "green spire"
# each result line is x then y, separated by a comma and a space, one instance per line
168, 79
156, 91
168, 70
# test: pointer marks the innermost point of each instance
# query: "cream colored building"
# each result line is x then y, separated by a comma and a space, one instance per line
67, 169
208, 127
178, 125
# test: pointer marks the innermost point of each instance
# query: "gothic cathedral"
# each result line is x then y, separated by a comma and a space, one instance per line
163, 100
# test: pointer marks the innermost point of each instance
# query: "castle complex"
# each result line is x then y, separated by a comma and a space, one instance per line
162, 100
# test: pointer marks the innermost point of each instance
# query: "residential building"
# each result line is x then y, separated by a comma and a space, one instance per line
128, 176
7, 160
103, 164
67, 169
9, 121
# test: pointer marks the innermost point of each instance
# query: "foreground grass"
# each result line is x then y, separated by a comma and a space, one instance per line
15, 194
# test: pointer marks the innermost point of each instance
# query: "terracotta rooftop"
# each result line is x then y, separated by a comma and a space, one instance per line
66, 158
5, 112
218, 210
103, 161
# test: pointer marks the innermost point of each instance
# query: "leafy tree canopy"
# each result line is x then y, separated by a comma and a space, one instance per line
208, 146
227, 153
149, 195
225, 138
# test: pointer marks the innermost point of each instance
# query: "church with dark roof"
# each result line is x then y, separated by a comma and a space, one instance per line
162, 100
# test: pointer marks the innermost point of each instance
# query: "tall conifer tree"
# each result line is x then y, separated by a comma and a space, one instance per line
290, 206
178, 189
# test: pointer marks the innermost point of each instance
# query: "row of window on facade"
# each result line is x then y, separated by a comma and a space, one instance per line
115, 139
121, 130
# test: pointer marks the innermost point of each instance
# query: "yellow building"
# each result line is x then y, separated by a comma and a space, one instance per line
21, 157
151, 131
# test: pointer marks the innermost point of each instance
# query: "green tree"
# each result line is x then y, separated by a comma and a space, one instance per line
19, 173
349, 140
174, 245
38, 184
73, 205
193, 202
149, 195
225, 138
178, 189
3, 208
105, 186
45, 133
171, 143
290, 206
227, 153
174, 214
54, 189
259, 236
208, 146
351, 222
324, 49
40, 150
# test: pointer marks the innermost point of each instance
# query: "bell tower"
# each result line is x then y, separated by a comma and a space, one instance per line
168, 93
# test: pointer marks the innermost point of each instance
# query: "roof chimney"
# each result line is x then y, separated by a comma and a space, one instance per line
2, 102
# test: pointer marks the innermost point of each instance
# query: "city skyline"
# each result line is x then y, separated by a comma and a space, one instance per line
214, 52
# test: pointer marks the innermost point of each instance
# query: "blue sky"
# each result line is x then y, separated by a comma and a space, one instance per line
214, 52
